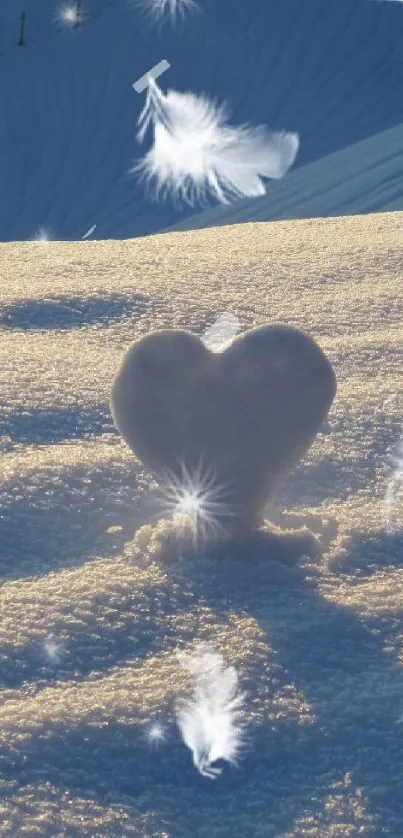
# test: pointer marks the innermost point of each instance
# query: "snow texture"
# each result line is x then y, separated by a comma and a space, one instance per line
97, 597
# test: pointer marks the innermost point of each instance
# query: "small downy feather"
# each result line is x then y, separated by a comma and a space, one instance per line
196, 154
211, 721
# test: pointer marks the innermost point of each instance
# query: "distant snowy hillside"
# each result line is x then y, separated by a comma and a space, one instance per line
367, 177
330, 70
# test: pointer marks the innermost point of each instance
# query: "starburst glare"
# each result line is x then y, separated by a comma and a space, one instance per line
196, 499
160, 9
70, 15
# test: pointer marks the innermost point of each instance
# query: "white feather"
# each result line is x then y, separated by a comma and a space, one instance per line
210, 722
196, 153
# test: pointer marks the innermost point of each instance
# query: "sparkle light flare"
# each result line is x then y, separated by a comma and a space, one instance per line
171, 9
196, 498
70, 15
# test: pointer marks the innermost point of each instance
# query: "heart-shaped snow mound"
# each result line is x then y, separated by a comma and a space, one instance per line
235, 422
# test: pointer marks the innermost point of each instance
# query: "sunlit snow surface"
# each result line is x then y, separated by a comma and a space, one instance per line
84, 567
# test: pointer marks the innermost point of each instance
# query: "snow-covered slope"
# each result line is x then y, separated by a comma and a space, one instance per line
94, 605
331, 71
364, 178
